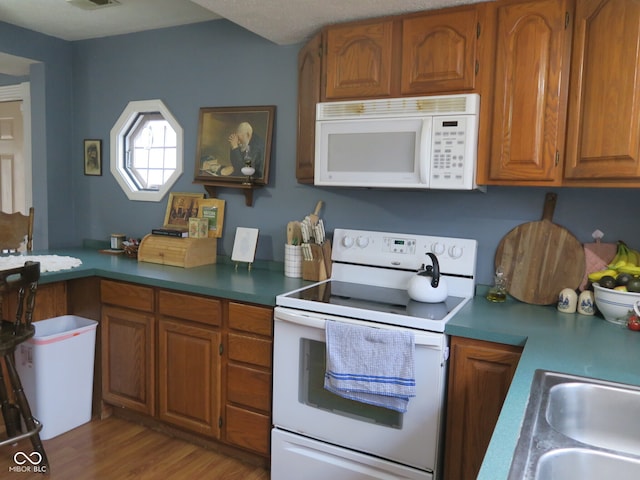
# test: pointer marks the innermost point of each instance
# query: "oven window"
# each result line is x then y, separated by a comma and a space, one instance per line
313, 394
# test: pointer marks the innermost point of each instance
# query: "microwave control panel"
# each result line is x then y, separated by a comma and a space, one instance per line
454, 150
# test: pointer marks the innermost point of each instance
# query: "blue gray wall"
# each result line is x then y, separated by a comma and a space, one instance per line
85, 85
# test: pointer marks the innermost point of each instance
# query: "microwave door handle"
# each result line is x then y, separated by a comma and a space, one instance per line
424, 153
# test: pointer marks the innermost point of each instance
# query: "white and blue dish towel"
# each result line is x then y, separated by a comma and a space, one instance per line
370, 365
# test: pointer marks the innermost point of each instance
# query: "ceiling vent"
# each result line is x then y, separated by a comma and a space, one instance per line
93, 4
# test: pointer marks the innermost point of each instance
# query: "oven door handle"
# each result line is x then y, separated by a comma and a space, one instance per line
423, 339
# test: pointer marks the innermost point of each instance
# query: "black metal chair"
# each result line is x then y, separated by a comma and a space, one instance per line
23, 282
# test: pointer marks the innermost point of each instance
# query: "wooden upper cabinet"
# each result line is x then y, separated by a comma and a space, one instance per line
439, 51
603, 137
309, 86
358, 60
532, 51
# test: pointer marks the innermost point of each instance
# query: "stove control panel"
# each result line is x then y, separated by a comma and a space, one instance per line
405, 246
404, 251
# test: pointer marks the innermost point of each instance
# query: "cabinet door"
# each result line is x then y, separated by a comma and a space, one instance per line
358, 60
439, 52
603, 140
479, 376
189, 376
128, 359
51, 301
532, 58
309, 85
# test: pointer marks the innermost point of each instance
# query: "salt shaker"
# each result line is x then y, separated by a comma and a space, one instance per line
586, 303
567, 300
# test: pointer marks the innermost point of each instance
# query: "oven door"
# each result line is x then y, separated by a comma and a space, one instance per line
302, 405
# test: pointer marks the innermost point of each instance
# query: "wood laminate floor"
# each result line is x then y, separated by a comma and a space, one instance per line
117, 449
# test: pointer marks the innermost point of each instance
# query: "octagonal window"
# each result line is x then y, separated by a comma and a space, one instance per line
146, 150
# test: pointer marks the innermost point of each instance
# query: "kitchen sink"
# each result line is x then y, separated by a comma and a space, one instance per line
578, 427
573, 463
598, 415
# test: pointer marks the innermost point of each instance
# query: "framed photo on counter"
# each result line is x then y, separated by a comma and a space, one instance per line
213, 210
180, 208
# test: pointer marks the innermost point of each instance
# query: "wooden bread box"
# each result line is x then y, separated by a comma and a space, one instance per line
178, 252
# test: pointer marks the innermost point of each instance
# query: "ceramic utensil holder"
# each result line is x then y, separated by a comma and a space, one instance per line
293, 261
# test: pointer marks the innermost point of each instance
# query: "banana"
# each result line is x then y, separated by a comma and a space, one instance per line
631, 269
595, 276
622, 255
632, 257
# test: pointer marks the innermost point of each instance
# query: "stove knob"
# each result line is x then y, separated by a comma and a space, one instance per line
362, 242
438, 248
455, 251
347, 241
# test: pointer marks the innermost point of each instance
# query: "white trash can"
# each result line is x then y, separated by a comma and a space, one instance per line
56, 370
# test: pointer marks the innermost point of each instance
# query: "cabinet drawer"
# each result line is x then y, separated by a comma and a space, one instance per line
127, 295
251, 318
248, 429
249, 387
190, 307
256, 351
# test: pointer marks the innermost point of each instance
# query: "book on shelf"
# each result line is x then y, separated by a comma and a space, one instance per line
170, 232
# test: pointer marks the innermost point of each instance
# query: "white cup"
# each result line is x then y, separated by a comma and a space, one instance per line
567, 300
293, 261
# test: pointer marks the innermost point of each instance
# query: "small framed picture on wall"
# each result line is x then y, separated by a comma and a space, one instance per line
93, 157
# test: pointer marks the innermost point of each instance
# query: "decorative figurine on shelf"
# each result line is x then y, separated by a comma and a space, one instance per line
247, 170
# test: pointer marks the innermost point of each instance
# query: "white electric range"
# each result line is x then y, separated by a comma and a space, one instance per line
319, 435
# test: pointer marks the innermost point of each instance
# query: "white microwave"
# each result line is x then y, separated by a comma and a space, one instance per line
413, 142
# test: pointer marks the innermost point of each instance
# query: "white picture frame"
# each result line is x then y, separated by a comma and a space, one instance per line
244, 245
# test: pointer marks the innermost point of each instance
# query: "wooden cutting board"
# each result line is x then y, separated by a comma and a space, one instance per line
541, 258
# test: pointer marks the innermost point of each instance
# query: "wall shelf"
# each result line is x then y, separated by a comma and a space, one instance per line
248, 189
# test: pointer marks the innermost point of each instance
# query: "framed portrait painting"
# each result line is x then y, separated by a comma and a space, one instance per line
93, 157
230, 138
180, 208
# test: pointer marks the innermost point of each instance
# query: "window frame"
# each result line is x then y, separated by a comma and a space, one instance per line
119, 133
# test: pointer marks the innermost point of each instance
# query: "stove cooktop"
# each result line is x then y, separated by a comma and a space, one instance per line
367, 302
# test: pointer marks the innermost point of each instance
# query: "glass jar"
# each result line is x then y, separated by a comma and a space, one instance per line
498, 292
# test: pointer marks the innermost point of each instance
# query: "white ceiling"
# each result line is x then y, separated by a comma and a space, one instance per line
283, 22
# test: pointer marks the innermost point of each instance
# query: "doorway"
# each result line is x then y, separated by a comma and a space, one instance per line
15, 151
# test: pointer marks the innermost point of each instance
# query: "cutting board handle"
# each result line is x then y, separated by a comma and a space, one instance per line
549, 206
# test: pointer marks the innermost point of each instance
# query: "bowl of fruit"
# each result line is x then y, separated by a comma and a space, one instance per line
615, 298
616, 288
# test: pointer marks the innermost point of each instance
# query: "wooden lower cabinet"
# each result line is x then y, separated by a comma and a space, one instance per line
128, 359
51, 301
248, 373
197, 363
480, 374
189, 376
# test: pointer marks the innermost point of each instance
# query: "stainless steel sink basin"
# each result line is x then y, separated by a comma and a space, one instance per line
578, 427
574, 463
598, 415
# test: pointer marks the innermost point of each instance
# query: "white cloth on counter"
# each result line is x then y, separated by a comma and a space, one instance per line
48, 263
370, 365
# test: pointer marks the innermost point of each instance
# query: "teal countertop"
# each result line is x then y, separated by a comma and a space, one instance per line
258, 285
582, 345
571, 343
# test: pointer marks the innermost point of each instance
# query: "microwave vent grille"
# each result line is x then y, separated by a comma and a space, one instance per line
418, 106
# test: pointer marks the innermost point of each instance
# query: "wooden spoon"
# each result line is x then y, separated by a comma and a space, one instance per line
314, 216
291, 229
